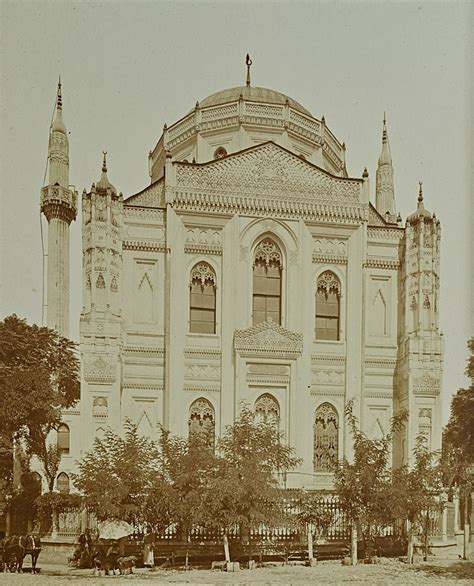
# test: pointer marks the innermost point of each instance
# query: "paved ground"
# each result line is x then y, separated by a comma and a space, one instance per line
387, 572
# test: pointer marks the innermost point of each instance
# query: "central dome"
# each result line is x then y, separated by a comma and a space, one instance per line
252, 94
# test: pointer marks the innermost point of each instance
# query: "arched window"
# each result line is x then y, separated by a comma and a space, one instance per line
62, 483
267, 409
328, 293
63, 438
100, 407
201, 419
202, 306
267, 268
219, 153
326, 438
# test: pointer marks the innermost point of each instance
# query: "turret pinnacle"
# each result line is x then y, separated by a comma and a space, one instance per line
385, 195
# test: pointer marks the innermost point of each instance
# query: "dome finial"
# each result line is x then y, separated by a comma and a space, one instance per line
420, 192
248, 62
104, 162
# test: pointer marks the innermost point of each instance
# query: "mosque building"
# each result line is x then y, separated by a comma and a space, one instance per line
250, 268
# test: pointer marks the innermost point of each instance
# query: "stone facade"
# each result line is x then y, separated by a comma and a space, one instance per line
252, 268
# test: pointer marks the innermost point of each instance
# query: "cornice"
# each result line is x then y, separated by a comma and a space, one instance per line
201, 389
322, 392
382, 263
329, 259
203, 249
143, 351
328, 358
144, 246
202, 353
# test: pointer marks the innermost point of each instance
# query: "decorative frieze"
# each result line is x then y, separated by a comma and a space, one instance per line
152, 196
327, 377
385, 233
99, 370
201, 389
328, 359
372, 362
205, 353
271, 170
426, 384
382, 263
270, 339
325, 392
202, 372
144, 351
148, 246
143, 213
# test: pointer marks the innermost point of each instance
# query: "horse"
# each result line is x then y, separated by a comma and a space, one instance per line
32, 547
13, 553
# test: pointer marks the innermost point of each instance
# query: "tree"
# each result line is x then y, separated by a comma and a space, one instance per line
363, 486
313, 516
116, 475
458, 445
39, 377
245, 490
415, 493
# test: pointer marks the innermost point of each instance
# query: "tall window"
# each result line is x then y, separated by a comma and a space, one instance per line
326, 438
62, 483
267, 409
202, 319
201, 419
267, 268
328, 293
63, 438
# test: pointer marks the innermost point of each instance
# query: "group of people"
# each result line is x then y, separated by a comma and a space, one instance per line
15, 548
102, 557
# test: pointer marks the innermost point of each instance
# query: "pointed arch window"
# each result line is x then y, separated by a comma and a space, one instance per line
201, 419
328, 294
267, 269
202, 303
62, 483
326, 438
267, 409
64, 438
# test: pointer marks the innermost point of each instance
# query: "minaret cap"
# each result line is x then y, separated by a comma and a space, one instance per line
103, 184
421, 211
385, 156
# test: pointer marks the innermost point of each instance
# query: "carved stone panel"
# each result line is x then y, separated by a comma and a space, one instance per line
268, 338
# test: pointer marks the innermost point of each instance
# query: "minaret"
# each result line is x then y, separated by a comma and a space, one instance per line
59, 205
419, 381
384, 190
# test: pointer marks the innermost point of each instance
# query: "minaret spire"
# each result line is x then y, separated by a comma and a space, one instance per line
385, 193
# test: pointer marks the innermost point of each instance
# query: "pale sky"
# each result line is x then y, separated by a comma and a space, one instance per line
129, 67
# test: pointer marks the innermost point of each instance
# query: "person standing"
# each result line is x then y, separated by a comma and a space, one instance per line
148, 554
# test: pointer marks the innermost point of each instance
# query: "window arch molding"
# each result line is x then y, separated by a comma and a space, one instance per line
326, 436
340, 276
203, 279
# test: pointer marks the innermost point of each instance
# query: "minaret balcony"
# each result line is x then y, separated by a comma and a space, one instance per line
59, 202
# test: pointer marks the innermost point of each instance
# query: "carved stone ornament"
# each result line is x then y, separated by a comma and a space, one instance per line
268, 251
328, 282
151, 197
268, 339
99, 370
271, 170
426, 384
203, 272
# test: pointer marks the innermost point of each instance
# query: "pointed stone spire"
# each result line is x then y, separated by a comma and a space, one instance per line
58, 124
384, 187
